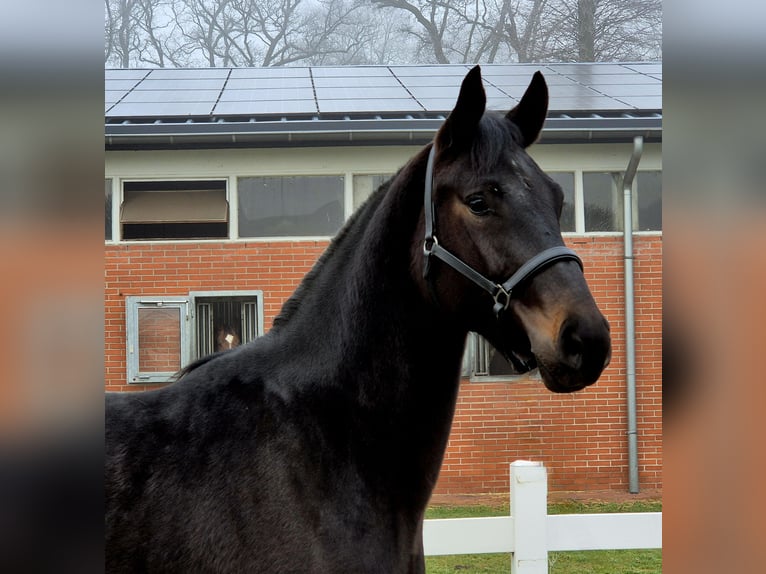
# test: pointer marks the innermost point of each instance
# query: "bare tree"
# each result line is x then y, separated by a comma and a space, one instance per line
122, 35
284, 32
608, 30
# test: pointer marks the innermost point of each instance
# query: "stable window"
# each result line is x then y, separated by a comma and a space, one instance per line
165, 333
174, 210
224, 320
290, 206
158, 338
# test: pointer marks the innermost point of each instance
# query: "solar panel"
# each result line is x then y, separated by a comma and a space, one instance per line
265, 107
188, 73
269, 73
271, 94
268, 83
172, 96
350, 72
160, 109
366, 81
585, 103
370, 105
421, 71
181, 84
353, 93
120, 85
120, 74
371, 89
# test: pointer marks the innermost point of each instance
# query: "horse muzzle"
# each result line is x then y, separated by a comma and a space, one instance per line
579, 354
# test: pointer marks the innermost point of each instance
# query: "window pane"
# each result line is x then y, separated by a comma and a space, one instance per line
566, 181
602, 193
649, 191
364, 185
108, 209
290, 206
159, 339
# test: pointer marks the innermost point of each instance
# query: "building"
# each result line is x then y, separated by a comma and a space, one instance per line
223, 186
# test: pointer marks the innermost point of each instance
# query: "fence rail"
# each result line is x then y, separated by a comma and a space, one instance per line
530, 533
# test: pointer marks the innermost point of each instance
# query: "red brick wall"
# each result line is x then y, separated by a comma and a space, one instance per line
580, 438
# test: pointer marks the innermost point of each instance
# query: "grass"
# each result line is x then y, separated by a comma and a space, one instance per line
590, 562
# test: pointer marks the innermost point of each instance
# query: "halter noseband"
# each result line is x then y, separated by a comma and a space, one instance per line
501, 292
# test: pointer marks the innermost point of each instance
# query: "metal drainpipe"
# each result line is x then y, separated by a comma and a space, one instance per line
630, 331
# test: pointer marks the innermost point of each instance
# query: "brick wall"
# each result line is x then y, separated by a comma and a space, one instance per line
580, 437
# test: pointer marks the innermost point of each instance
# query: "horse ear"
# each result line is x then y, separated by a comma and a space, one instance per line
460, 126
529, 114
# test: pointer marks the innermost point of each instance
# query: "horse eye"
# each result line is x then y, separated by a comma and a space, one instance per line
478, 205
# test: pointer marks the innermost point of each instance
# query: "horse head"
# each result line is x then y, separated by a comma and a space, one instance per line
495, 210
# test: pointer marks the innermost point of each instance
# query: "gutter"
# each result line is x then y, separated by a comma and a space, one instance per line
179, 133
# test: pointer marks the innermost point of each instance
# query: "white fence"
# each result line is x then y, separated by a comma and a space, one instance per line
529, 533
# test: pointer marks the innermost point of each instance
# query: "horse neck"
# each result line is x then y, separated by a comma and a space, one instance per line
362, 314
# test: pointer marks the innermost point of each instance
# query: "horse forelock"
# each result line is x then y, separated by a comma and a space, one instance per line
494, 136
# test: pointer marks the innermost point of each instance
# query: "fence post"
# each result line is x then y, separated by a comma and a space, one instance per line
529, 509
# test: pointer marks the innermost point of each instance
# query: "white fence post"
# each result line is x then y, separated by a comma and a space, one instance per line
529, 509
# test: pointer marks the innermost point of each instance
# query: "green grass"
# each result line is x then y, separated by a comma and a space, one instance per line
590, 562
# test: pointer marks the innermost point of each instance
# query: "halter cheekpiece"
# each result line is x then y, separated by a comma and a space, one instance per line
500, 292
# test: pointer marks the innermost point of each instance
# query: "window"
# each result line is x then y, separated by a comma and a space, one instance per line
603, 201
166, 333
158, 338
365, 185
566, 181
226, 320
482, 360
602, 197
108, 209
290, 206
174, 210
648, 201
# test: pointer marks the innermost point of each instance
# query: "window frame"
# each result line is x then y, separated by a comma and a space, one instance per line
133, 304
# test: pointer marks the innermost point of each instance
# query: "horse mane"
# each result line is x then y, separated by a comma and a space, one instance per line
194, 365
357, 220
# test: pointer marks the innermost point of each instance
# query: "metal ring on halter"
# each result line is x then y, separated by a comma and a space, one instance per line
502, 300
428, 244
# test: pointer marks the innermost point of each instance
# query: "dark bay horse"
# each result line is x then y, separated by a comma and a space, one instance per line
316, 447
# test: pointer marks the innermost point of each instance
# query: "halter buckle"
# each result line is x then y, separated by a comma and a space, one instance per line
502, 300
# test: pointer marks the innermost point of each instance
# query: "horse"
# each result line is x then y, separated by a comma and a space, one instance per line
316, 447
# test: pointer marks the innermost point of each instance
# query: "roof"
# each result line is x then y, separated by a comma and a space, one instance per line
214, 107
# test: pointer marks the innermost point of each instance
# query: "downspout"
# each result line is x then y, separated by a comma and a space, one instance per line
630, 330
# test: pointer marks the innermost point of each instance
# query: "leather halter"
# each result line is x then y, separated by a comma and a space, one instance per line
501, 292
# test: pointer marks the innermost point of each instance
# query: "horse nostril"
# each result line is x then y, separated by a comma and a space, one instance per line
571, 345
585, 347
